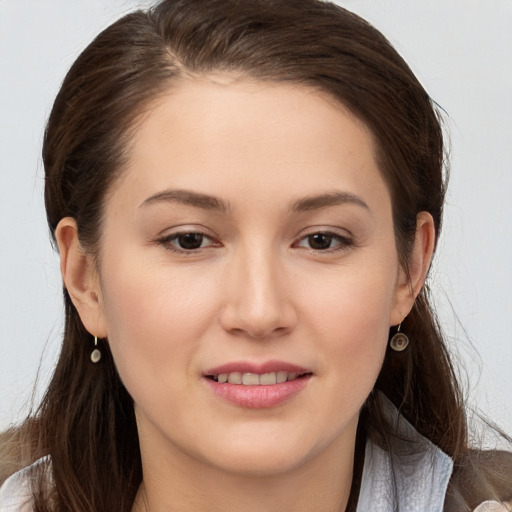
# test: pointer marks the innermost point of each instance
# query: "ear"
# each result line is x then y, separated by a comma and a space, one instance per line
410, 284
80, 277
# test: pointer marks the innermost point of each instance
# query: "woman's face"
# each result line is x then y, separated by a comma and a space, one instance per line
250, 239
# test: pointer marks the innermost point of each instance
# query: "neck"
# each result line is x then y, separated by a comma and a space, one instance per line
322, 483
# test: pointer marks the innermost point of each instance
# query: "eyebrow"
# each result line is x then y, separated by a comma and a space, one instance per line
188, 198
207, 202
332, 198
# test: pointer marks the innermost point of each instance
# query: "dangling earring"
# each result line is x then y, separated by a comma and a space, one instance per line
399, 341
96, 353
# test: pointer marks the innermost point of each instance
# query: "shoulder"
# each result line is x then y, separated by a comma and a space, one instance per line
481, 481
16, 491
15, 494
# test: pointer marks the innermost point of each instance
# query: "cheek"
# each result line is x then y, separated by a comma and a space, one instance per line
155, 320
350, 316
351, 303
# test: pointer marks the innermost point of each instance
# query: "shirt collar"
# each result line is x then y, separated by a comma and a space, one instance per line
412, 475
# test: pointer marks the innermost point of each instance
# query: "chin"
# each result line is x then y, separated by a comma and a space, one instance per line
267, 465
264, 458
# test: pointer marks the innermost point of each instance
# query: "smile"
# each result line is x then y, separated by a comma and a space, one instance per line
255, 379
257, 386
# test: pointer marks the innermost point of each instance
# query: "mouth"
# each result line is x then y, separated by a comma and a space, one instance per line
257, 379
257, 386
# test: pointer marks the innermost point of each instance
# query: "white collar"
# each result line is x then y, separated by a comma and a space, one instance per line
411, 477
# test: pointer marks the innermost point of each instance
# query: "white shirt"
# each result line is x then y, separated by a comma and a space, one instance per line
15, 493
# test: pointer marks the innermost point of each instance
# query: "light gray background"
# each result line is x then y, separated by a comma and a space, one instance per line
460, 50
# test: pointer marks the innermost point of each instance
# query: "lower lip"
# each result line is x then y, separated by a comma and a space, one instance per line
258, 397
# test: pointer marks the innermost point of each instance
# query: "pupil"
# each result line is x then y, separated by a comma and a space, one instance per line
320, 241
190, 240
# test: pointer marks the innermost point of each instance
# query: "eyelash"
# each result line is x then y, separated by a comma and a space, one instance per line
344, 242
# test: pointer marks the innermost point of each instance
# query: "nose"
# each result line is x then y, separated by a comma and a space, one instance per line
258, 300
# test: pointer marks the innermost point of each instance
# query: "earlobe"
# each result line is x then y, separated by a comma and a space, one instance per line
80, 277
411, 281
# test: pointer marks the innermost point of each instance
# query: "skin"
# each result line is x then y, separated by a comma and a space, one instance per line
256, 290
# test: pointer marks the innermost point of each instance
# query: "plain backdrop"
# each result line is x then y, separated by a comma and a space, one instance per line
460, 50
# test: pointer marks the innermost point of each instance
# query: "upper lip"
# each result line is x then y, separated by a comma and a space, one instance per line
258, 368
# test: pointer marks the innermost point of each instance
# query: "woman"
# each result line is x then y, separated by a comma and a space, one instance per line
246, 197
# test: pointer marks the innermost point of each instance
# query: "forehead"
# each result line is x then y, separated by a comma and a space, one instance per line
207, 131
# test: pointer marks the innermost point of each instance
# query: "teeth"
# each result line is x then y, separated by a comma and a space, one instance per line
235, 378
268, 379
282, 377
250, 379
254, 379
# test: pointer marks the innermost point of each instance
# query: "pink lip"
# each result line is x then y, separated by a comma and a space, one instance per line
257, 397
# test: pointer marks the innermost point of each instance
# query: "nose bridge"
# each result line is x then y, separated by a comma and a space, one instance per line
262, 290
258, 301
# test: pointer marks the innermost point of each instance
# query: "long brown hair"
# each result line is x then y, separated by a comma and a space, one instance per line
86, 421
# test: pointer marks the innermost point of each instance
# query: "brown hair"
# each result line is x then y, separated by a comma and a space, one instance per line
86, 420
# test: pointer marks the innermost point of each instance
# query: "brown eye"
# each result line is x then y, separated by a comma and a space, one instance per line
187, 241
320, 241
190, 241
325, 241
